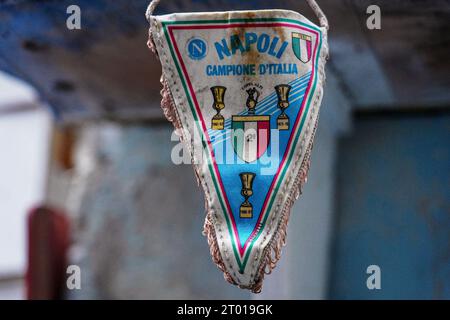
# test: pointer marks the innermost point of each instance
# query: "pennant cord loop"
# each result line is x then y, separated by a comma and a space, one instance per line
312, 3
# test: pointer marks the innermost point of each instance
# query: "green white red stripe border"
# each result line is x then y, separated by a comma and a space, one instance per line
242, 253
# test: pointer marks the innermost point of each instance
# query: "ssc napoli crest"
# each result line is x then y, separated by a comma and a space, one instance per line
197, 48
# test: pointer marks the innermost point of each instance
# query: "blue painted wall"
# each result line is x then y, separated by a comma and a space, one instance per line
393, 208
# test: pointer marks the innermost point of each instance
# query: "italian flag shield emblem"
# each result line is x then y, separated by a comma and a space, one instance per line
245, 101
251, 135
302, 46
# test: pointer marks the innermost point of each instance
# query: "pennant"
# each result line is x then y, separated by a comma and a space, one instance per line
243, 90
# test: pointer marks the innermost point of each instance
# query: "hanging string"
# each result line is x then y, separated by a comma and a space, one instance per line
151, 7
312, 3
318, 12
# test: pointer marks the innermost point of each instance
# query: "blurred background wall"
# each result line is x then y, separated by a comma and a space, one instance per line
87, 135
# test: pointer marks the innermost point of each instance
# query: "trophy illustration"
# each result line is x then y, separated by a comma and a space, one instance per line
252, 100
217, 122
246, 209
283, 102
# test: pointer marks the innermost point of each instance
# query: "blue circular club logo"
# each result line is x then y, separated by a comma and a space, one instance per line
197, 48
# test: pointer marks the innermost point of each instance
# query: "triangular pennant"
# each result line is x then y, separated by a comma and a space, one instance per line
244, 90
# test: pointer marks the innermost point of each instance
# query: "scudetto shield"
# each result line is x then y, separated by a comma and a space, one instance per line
243, 90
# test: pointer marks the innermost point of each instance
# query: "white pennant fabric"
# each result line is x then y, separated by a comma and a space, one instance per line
243, 89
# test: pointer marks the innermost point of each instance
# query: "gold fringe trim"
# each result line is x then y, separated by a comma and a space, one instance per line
210, 234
